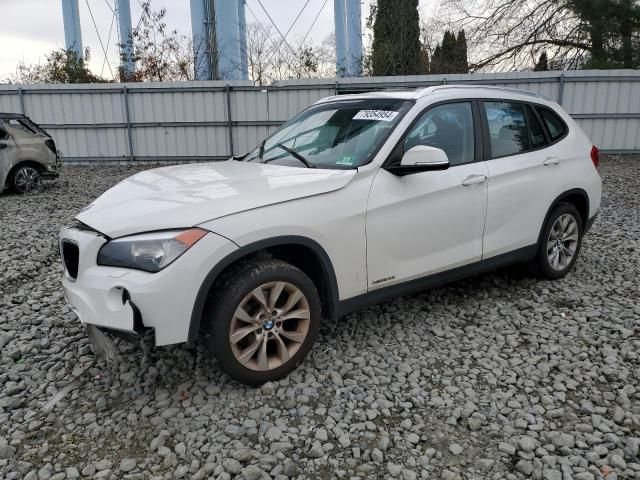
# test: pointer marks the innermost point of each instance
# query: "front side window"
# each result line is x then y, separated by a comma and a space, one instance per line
448, 127
554, 124
342, 134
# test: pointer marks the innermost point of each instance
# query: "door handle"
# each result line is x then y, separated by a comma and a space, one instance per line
474, 180
3, 145
551, 161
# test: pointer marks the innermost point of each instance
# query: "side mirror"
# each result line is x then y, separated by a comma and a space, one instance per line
421, 158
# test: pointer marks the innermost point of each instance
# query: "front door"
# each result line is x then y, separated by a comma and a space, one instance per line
428, 222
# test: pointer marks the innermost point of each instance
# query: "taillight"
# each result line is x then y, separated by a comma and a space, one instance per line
595, 156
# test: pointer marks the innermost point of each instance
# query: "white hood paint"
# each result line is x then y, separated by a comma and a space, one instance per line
187, 195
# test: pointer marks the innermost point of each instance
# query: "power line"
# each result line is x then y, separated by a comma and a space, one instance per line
278, 30
110, 7
264, 30
314, 21
104, 51
113, 18
144, 9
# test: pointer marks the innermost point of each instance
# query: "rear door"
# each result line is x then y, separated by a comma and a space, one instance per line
525, 175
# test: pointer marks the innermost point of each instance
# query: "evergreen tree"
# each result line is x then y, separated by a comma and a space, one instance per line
448, 52
543, 63
436, 61
462, 62
451, 55
396, 38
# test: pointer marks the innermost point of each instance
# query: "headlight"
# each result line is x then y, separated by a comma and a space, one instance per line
150, 252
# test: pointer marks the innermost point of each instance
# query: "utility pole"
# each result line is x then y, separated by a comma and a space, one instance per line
127, 64
348, 25
72, 32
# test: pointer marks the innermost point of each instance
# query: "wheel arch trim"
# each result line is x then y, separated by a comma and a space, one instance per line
558, 199
324, 260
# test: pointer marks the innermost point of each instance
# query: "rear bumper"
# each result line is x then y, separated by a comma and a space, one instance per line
131, 301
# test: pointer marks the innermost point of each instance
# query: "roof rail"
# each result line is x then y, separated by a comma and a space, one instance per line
429, 90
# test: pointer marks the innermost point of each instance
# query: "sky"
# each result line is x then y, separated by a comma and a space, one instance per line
33, 28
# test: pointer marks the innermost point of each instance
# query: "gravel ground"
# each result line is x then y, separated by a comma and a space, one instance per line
500, 376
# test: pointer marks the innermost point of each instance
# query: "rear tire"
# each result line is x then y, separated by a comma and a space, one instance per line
261, 320
560, 242
26, 179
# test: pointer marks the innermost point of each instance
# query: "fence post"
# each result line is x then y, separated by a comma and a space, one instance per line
561, 89
125, 92
21, 100
229, 119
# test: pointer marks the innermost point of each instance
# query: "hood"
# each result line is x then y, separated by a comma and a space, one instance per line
187, 195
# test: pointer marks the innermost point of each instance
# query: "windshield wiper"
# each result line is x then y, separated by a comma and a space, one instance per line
293, 153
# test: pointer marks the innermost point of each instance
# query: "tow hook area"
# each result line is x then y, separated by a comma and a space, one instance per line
102, 344
101, 338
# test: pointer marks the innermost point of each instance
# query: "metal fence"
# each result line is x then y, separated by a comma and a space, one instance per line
213, 120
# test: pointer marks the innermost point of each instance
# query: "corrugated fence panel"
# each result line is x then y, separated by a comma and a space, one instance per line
247, 137
252, 105
91, 143
10, 103
177, 106
613, 134
285, 103
64, 108
180, 141
184, 120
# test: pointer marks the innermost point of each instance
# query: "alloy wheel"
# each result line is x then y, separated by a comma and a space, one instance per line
269, 326
27, 179
562, 242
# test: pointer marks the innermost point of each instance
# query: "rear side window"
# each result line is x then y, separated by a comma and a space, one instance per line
508, 132
555, 126
536, 133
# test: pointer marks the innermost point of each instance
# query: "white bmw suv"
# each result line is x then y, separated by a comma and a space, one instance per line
354, 200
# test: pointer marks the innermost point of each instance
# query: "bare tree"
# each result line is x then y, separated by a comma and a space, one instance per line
270, 58
160, 54
259, 47
61, 66
512, 34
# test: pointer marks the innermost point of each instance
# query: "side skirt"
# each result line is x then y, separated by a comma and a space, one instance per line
348, 305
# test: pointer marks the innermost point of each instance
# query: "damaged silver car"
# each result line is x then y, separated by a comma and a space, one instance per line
28, 154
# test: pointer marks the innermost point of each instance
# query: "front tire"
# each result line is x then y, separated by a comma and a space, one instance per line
560, 243
262, 320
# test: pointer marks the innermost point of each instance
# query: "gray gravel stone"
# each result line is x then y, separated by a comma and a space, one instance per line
127, 464
455, 449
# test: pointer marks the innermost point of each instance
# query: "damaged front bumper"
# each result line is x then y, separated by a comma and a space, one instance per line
99, 300
131, 301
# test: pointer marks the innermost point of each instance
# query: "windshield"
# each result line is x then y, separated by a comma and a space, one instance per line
341, 134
